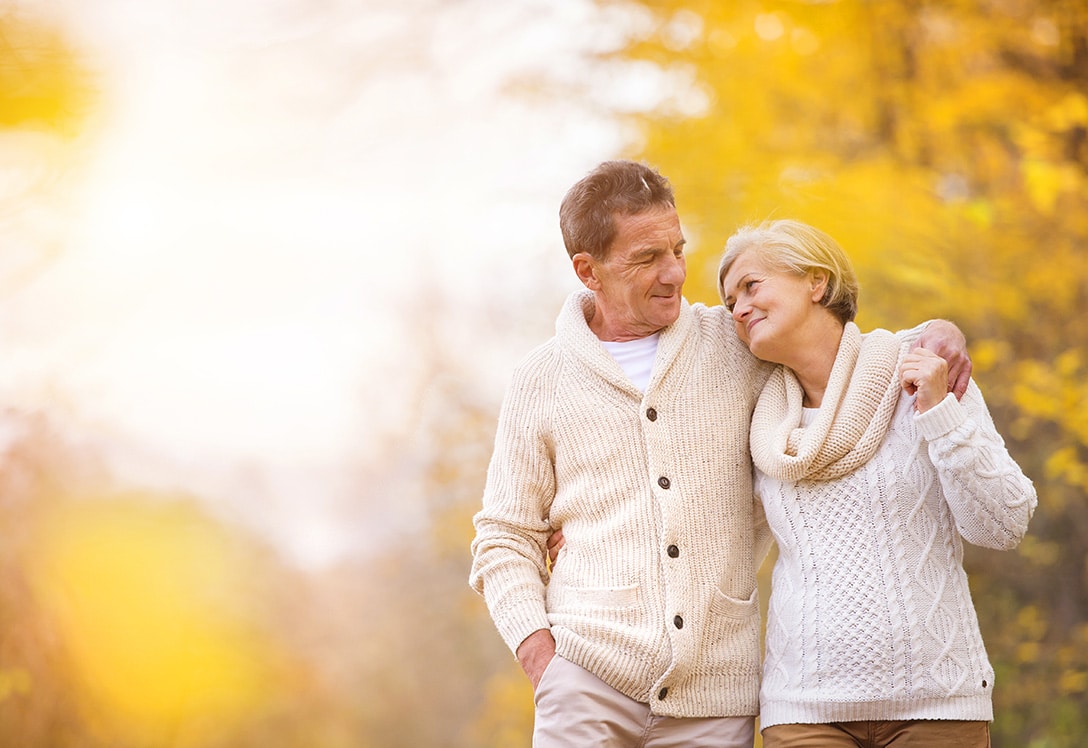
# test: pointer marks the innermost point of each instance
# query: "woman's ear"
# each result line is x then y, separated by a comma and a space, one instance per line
819, 280
585, 267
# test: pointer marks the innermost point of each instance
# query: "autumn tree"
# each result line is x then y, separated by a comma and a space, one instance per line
945, 145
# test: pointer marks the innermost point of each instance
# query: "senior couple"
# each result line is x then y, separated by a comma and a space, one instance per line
664, 445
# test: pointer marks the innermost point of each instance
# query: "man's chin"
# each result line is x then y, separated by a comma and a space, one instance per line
666, 318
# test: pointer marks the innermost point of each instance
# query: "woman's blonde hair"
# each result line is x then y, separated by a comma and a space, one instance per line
795, 247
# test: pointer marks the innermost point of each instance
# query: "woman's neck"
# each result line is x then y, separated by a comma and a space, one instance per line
813, 362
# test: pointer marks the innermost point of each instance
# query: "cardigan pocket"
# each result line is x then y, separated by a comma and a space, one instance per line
730, 648
730, 607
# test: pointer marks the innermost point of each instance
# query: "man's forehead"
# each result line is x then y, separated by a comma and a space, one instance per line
648, 224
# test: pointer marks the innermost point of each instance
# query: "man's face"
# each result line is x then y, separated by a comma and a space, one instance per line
639, 284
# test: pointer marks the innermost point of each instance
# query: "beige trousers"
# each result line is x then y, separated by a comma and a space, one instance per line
576, 709
922, 733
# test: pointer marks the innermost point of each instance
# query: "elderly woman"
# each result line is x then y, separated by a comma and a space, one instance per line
871, 475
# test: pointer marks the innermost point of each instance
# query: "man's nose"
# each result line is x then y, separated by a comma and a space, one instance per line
674, 272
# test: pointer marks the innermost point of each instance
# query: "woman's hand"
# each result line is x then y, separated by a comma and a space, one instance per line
924, 374
555, 543
947, 341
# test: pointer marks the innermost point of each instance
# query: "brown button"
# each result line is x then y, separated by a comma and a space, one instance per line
663, 482
678, 622
651, 414
662, 694
673, 551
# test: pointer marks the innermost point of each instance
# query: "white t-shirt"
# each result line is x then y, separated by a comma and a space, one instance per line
636, 358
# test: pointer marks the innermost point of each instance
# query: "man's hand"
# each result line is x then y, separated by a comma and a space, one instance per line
535, 653
945, 339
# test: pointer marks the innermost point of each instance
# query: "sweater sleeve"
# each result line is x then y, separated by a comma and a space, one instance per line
512, 528
763, 539
990, 497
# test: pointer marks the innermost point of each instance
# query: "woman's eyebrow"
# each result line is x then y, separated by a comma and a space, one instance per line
741, 279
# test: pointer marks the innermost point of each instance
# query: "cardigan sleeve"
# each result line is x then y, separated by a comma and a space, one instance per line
911, 335
512, 528
990, 497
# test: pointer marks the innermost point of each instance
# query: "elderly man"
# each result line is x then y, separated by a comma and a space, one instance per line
629, 430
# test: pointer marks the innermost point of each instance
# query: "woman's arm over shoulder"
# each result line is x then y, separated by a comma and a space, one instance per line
991, 499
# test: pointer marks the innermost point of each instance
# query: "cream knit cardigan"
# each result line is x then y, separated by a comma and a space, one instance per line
655, 590
870, 614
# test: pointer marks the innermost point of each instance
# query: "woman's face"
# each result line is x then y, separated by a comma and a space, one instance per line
770, 307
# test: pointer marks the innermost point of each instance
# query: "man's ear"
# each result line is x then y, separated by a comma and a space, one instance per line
585, 267
819, 280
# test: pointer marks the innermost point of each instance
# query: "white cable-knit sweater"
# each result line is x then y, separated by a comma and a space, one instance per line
870, 613
655, 589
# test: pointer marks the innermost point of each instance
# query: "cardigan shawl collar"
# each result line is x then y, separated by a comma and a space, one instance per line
856, 412
573, 333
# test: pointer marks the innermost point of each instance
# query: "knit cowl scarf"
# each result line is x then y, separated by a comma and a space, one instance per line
855, 414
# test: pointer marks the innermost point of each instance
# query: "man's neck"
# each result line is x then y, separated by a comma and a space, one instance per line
615, 333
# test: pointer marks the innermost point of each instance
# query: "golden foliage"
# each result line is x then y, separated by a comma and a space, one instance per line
42, 83
945, 145
151, 602
506, 719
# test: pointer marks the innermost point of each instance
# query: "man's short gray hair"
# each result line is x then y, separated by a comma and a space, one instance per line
586, 215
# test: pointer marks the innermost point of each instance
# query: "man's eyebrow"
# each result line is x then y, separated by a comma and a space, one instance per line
651, 250
647, 251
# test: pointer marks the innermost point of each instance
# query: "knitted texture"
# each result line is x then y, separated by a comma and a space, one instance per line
862, 392
870, 616
655, 588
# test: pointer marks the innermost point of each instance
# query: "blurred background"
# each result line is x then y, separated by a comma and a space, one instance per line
266, 265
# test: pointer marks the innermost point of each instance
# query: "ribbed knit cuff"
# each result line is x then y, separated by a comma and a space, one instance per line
941, 419
515, 624
970, 708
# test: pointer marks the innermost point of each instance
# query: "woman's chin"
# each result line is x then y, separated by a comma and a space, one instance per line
764, 353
